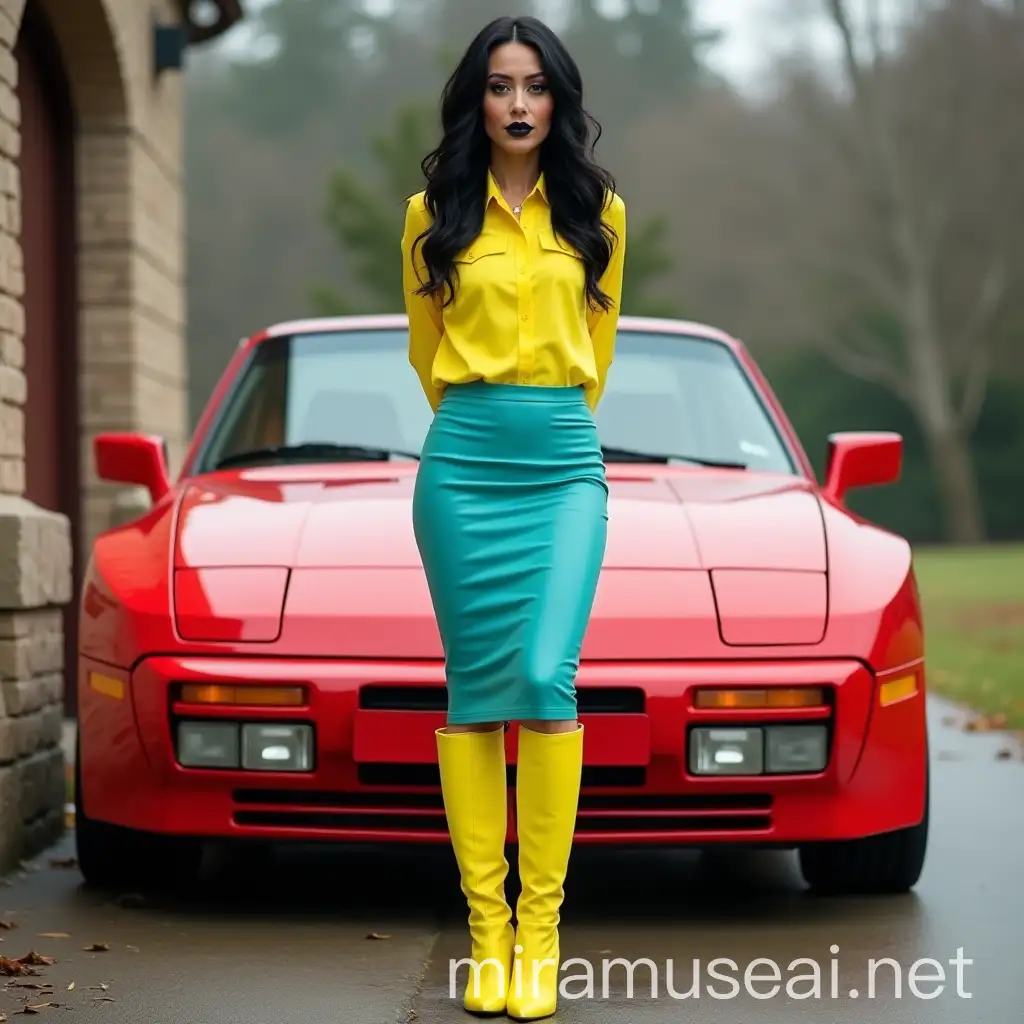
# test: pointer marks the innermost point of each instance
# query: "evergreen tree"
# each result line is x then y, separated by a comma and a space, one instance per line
650, 57
365, 215
296, 66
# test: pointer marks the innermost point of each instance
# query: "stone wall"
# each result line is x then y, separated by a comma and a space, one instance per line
131, 357
35, 545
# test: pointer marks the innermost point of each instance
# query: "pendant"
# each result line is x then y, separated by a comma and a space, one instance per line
517, 210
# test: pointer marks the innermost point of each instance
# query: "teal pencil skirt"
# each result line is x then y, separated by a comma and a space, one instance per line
510, 514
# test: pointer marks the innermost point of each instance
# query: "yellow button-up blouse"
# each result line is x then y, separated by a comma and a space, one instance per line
520, 314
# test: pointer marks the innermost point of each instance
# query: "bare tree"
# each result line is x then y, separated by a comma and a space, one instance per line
928, 141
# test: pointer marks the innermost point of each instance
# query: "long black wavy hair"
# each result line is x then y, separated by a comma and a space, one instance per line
456, 172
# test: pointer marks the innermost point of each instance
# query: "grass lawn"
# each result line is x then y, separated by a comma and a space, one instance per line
974, 628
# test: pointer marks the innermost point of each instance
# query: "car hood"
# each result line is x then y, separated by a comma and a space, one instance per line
658, 519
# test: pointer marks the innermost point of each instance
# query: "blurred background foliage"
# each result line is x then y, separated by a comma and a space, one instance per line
853, 218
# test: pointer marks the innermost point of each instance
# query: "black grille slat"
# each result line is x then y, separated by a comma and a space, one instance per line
382, 821
668, 814
675, 802
661, 802
341, 820
686, 823
326, 798
596, 700
403, 698
428, 775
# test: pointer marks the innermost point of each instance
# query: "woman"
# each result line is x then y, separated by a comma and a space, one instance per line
513, 262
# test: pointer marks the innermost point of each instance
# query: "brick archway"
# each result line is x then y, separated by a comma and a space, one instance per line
92, 46
131, 323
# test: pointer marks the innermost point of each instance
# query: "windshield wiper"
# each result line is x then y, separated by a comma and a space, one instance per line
630, 455
316, 450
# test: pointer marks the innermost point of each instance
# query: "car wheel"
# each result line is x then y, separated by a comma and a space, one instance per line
885, 864
113, 857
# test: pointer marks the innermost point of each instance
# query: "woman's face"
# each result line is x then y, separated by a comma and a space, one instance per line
517, 95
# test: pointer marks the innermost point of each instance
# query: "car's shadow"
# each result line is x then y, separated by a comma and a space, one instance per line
421, 886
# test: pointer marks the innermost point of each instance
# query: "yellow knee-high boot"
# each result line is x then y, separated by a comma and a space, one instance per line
547, 795
475, 793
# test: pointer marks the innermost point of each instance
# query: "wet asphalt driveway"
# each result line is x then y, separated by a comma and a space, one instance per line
329, 938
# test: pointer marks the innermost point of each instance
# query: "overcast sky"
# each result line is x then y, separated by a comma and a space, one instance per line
751, 34
741, 54
742, 20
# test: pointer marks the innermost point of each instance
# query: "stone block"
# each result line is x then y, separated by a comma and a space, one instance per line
36, 649
35, 555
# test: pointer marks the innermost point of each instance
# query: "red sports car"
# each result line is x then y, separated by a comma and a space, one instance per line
259, 659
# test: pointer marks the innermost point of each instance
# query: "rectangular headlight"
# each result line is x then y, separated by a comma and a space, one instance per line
277, 747
726, 751
208, 744
796, 748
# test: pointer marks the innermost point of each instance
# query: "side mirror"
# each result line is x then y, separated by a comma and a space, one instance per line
862, 460
138, 459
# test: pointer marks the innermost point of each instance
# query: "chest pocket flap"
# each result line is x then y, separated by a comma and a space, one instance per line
485, 245
550, 242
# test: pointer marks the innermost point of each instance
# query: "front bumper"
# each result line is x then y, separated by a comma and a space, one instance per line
374, 775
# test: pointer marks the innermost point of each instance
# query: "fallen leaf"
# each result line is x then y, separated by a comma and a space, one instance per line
54, 935
985, 723
7, 925
378, 935
102, 987
34, 959
103, 999
9, 967
134, 949
97, 947
1004, 754
71, 986
38, 986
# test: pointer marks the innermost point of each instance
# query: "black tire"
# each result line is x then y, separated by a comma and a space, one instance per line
882, 865
110, 857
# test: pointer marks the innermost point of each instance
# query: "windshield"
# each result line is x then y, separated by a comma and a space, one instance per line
666, 394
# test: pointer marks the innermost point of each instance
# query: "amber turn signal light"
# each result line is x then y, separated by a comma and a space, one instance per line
265, 696
744, 697
894, 690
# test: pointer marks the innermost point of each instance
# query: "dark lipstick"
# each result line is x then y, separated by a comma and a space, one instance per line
519, 129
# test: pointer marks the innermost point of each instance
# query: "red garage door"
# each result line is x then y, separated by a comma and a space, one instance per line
47, 240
